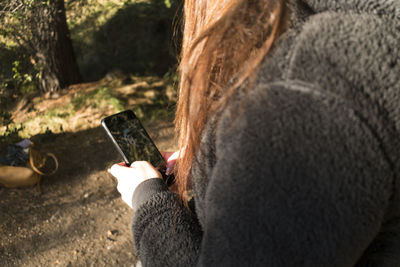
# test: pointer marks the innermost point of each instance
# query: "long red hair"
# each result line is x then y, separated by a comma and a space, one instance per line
224, 42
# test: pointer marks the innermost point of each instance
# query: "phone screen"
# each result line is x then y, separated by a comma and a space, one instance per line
131, 139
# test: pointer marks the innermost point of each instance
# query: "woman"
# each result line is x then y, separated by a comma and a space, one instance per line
289, 124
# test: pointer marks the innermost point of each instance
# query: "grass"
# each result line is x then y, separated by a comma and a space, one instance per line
83, 108
71, 116
158, 110
99, 98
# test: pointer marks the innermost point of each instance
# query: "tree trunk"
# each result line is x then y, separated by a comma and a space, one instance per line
53, 47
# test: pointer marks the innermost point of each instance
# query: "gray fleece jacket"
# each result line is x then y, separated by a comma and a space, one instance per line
303, 170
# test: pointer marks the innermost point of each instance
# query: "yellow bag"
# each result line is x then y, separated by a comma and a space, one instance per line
12, 176
15, 177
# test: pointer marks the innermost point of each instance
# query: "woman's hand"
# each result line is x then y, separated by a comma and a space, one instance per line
129, 178
170, 158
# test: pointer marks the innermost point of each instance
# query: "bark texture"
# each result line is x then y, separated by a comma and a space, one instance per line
52, 46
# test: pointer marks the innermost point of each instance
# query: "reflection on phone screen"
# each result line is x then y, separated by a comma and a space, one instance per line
133, 139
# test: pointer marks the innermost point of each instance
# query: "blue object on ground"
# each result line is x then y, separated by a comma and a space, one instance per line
16, 154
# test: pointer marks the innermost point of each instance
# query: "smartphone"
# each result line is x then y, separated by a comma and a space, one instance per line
133, 142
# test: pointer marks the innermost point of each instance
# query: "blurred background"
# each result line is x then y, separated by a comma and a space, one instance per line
65, 65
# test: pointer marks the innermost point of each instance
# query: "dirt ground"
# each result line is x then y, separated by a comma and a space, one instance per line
78, 218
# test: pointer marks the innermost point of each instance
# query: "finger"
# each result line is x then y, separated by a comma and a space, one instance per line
114, 170
166, 155
171, 162
138, 164
174, 156
118, 170
146, 169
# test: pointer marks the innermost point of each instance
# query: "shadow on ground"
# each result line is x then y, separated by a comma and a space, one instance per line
137, 39
78, 218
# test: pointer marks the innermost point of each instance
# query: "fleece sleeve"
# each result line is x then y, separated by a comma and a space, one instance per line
299, 181
165, 233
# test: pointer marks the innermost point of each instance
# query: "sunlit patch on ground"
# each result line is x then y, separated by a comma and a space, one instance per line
82, 107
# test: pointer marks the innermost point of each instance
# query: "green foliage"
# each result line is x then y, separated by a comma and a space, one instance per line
171, 77
167, 3
134, 36
12, 130
8, 55
58, 113
158, 111
99, 98
13, 16
160, 108
17, 74
12, 134
5, 118
56, 119
45, 3
24, 81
